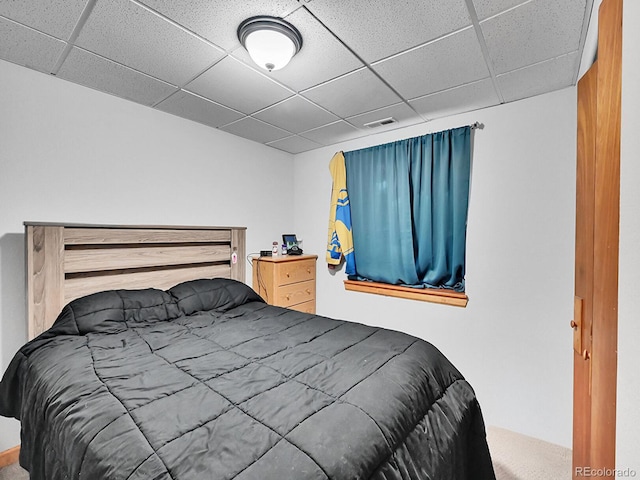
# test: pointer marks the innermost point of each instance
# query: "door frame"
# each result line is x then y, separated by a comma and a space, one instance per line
598, 208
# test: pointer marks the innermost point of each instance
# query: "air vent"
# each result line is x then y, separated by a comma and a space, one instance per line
380, 123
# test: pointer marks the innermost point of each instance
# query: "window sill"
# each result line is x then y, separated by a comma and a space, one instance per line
446, 297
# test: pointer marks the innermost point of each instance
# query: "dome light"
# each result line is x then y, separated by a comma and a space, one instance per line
270, 41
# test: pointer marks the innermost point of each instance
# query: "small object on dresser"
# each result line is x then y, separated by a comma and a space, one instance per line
265, 253
284, 249
289, 239
274, 249
294, 250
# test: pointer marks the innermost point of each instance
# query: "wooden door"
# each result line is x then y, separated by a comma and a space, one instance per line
595, 321
583, 302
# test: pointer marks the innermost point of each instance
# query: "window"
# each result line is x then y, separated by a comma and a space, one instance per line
407, 206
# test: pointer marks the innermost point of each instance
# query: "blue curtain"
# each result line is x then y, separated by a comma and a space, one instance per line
409, 202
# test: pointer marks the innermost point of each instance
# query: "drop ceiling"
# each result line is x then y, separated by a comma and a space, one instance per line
361, 61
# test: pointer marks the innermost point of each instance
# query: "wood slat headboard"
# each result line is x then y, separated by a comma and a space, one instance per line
68, 261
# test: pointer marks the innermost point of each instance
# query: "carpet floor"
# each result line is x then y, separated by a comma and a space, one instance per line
13, 472
519, 457
515, 457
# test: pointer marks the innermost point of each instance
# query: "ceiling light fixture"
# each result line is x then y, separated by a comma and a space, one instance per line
270, 41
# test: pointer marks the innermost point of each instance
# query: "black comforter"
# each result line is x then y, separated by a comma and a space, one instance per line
206, 381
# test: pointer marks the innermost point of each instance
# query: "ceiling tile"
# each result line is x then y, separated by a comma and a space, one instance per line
465, 98
540, 78
333, 133
96, 72
218, 20
296, 115
401, 112
255, 130
375, 29
488, 8
27, 47
231, 83
361, 60
294, 144
448, 62
353, 94
321, 58
129, 34
187, 105
54, 17
533, 32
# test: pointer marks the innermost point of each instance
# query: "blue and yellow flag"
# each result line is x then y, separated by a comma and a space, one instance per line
340, 239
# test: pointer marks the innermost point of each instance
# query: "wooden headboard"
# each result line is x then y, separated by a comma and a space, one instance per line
68, 261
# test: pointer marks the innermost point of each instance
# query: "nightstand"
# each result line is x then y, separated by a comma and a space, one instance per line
287, 281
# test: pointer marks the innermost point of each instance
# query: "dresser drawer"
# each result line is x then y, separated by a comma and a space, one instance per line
295, 293
292, 272
306, 307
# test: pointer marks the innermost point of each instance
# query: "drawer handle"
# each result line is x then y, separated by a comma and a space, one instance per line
288, 298
308, 291
288, 275
308, 270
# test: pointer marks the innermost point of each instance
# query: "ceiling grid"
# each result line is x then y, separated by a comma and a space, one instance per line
361, 61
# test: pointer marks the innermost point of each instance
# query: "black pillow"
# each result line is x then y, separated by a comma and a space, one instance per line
220, 294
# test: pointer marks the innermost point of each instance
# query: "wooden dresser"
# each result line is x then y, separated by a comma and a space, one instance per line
287, 281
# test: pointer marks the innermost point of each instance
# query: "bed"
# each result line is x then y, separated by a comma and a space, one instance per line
205, 380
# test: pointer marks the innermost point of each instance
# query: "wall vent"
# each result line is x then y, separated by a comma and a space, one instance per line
380, 123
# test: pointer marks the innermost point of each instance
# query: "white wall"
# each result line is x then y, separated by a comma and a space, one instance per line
628, 423
71, 154
513, 341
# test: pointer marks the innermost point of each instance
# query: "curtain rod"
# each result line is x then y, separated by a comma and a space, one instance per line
473, 126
